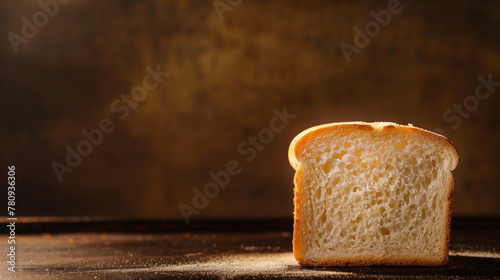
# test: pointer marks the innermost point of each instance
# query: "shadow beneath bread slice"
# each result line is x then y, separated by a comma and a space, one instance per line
457, 266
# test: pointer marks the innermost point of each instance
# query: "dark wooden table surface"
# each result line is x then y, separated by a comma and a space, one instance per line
215, 249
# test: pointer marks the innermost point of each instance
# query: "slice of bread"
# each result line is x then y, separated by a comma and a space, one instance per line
371, 194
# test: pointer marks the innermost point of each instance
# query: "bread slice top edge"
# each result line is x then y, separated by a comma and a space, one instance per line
302, 138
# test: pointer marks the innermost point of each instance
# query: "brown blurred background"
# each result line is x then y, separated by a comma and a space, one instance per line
225, 79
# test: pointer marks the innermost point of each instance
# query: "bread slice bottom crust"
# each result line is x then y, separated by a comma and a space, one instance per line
368, 261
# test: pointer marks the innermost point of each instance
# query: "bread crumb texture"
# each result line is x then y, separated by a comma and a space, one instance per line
372, 194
